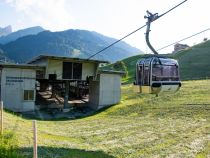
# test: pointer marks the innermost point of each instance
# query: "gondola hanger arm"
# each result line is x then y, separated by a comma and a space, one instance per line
151, 18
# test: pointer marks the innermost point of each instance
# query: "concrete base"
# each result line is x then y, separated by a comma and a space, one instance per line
66, 110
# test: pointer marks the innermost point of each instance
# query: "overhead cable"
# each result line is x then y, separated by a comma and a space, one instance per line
134, 31
183, 39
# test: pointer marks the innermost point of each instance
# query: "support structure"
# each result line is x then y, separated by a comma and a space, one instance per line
66, 97
1, 110
35, 139
150, 18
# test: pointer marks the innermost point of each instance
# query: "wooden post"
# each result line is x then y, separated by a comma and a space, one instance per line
35, 138
66, 97
1, 110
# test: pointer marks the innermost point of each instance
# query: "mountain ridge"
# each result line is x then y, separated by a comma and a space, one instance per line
69, 43
20, 33
5, 31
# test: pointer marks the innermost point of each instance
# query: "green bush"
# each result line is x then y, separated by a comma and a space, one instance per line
120, 66
8, 146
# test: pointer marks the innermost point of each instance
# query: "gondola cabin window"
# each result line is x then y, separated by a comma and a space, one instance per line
146, 75
140, 74
164, 72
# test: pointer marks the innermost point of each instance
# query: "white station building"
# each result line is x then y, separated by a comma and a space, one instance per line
58, 81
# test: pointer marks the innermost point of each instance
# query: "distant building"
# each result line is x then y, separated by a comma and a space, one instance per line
178, 47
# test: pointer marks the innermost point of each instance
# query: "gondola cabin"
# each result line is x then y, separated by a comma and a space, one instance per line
157, 75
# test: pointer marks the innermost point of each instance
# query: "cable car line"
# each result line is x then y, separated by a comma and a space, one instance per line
183, 39
157, 17
172, 9
116, 42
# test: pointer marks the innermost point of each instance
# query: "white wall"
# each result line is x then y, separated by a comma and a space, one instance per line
55, 67
106, 91
110, 89
88, 69
13, 83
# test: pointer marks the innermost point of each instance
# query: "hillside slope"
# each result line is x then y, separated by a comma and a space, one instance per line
70, 43
3, 57
194, 63
175, 125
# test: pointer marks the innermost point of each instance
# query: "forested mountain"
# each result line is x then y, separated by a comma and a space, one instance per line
69, 43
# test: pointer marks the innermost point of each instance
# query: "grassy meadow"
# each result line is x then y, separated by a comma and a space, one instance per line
171, 125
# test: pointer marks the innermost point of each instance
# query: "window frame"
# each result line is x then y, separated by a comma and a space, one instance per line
73, 70
28, 95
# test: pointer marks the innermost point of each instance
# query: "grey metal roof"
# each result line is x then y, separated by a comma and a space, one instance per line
164, 60
111, 72
23, 66
64, 58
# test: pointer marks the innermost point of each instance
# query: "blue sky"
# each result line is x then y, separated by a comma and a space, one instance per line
114, 18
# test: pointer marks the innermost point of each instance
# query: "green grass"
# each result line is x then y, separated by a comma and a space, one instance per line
8, 145
176, 125
194, 62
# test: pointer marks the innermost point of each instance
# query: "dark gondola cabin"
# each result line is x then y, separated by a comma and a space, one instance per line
157, 75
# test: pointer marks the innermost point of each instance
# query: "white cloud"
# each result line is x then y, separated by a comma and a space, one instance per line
51, 14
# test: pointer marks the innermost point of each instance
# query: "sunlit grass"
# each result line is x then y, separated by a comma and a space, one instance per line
171, 125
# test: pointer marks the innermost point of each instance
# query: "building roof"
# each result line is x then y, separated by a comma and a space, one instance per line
23, 66
111, 72
40, 57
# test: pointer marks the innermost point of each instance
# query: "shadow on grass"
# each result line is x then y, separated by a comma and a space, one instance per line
53, 152
57, 116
